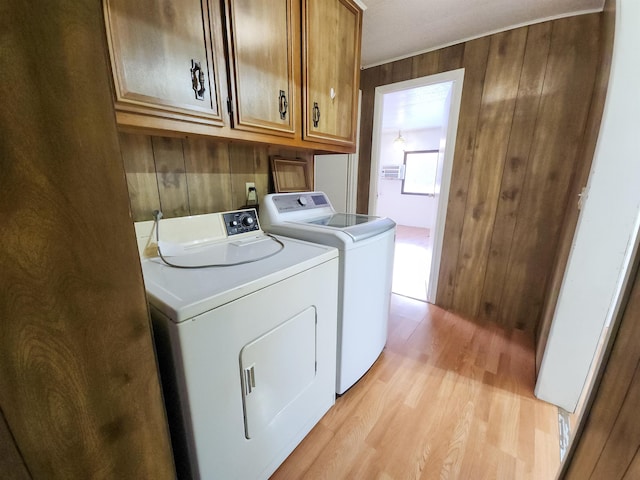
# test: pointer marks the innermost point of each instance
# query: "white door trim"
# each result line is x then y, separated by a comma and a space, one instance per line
457, 77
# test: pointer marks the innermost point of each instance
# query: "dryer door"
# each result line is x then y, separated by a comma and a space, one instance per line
276, 368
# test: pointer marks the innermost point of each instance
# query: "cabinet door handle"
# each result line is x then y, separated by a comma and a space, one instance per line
283, 105
316, 114
197, 80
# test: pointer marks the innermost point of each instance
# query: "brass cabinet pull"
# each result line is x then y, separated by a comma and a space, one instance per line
197, 80
283, 105
316, 114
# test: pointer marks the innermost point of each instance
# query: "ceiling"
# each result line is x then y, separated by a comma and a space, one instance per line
393, 29
418, 26
415, 108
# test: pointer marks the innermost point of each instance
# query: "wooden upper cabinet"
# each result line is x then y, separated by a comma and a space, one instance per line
243, 70
331, 70
264, 52
164, 58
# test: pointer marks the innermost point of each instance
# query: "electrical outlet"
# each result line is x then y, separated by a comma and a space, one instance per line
247, 186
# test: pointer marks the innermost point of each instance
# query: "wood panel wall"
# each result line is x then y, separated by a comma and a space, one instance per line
79, 389
587, 151
191, 176
12, 465
525, 100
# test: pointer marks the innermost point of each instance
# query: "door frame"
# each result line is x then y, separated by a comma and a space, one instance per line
457, 78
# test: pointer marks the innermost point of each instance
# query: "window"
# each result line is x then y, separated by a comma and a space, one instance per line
420, 169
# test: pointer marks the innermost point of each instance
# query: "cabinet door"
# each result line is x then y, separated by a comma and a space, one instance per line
163, 55
262, 45
331, 65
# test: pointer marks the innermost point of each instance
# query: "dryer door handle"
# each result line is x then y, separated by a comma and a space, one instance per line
249, 379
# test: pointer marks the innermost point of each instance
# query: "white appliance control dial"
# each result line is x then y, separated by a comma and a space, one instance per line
302, 201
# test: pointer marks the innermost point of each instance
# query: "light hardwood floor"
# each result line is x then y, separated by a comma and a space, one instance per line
447, 399
412, 262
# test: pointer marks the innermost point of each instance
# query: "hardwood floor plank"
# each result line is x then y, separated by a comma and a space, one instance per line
459, 441
473, 457
526, 436
336, 459
308, 452
398, 464
506, 466
418, 389
547, 461
366, 465
447, 399
387, 428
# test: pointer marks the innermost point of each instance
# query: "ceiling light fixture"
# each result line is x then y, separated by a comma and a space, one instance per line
399, 142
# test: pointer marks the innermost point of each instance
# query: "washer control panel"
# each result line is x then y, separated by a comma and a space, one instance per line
241, 221
300, 201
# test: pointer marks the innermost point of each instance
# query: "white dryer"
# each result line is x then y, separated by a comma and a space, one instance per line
246, 346
366, 245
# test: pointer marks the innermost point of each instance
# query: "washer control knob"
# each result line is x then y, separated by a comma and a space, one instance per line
302, 201
248, 221
233, 223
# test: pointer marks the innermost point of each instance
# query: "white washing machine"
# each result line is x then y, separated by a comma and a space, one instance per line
246, 346
366, 246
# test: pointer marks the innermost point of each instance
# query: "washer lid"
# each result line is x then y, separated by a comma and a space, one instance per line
343, 220
182, 294
357, 227
310, 216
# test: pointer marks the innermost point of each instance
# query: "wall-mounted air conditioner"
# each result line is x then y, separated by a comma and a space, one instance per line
392, 172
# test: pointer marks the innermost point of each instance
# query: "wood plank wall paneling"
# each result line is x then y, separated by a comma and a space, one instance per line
425, 64
581, 177
515, 167
192, 176
554, 159
633, 471
168, 157
137, 157
251, 164
369, 79
12, 465
208, 169
451, 58
502, 77
79, 386
525, 100
474, 62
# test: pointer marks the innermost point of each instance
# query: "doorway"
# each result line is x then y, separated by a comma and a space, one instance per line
414, 131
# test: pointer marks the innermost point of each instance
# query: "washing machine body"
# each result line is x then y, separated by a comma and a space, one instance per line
246, 351
366, 246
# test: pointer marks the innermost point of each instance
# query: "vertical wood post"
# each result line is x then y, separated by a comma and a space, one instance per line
79, 387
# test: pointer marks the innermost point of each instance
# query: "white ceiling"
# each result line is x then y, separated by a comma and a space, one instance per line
416, 108
393, 29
